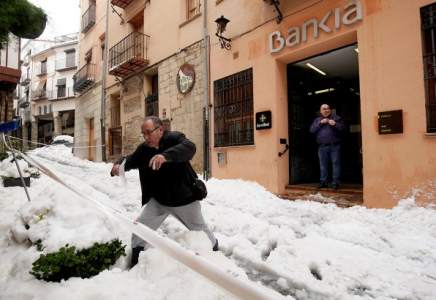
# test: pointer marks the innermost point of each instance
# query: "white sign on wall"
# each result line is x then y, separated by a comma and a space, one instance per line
351, 13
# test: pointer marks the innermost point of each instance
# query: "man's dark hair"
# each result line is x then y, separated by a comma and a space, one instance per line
156, 121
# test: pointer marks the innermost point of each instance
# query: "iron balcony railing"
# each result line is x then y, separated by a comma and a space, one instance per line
121, 3
128, 55
41, 69
84, 78
25, 79
17, 93
15, 113
24, 103
88, 18
65, 63
40, 94
61, 93
26, 60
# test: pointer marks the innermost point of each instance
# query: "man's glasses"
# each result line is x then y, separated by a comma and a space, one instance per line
148, 132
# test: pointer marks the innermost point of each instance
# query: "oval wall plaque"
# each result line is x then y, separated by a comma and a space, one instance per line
185, 78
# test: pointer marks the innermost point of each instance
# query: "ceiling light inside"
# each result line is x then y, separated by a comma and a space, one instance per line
315, 68
324, 91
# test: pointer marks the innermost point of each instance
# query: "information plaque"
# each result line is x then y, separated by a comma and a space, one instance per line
390, 122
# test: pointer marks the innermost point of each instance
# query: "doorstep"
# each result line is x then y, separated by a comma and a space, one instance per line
347, 196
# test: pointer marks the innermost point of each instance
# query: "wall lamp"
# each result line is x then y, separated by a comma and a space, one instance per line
220, 28
276, 4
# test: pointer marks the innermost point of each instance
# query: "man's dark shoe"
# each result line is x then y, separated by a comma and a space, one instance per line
335, 187
135, 256
215, 248
322, 185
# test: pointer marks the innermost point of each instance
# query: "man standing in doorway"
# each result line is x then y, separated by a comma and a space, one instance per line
328, 129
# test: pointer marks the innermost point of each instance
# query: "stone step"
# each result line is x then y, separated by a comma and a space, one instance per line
346, 196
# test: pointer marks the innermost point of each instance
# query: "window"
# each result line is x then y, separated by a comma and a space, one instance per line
428, 28
192, 8
62, 87
45, 110
43, 66
233, 110
71, 58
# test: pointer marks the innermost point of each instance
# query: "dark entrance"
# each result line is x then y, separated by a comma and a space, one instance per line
307, 91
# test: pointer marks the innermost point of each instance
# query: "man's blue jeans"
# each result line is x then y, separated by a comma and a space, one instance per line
333, 153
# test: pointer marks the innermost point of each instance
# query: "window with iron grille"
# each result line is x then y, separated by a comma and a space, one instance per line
428, 28
233, 110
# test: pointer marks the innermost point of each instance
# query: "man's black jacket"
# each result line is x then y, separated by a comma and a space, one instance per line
170, 184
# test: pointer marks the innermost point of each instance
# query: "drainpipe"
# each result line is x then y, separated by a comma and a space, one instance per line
206, 169
103, 91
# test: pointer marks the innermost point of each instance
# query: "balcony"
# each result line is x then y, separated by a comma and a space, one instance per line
24, 103
84, 78
121, 3
41, 69
15, 114
17, 93
61, 93
88, 18
25, 79
129, 55
26, 60
40, 94
65, 64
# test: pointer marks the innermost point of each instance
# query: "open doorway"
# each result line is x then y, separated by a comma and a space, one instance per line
308, 89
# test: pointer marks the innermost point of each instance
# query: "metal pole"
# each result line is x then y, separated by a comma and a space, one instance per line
16, 162
206, 170
103, 90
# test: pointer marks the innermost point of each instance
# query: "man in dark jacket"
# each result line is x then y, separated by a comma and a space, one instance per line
328, 129
163, 164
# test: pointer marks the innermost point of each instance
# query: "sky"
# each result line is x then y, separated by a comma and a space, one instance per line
292, 249
63, 17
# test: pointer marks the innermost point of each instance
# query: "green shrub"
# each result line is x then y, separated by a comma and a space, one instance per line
68, 262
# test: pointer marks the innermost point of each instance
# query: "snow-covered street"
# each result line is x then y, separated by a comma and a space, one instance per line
299, 249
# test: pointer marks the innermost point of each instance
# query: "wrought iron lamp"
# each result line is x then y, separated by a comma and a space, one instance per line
221, 27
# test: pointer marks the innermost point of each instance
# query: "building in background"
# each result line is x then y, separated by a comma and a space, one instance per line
46, 94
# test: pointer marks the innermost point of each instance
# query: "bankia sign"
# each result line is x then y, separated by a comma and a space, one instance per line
349, 14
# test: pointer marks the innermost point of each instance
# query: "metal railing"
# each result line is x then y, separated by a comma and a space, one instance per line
132, 46
61, 93
23, 102
26, 60
40, 93
41, 68
88, 18
25, 79
65, 63
84, 77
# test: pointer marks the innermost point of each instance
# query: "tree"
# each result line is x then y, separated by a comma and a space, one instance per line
21, 18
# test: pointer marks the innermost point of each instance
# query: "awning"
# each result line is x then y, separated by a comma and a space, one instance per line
41, 84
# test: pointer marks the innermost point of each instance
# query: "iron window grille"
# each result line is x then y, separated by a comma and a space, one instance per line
428, 28
233, 110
